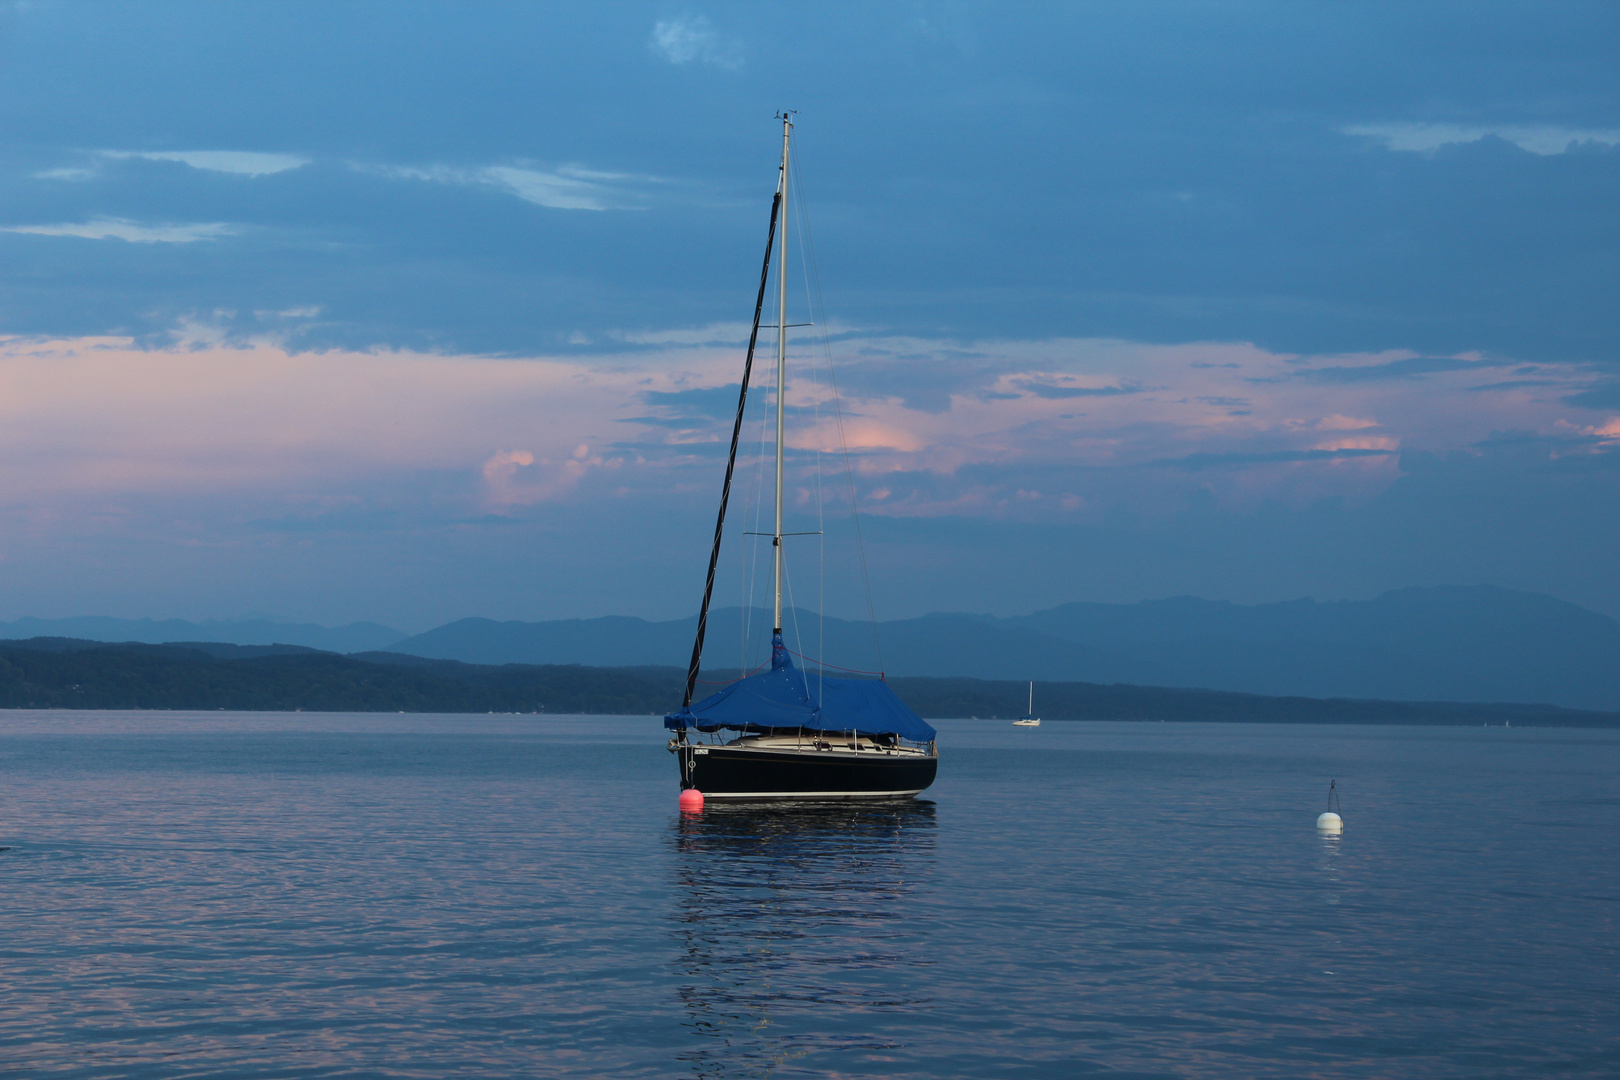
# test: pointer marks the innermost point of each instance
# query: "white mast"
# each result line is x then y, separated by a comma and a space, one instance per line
781, 367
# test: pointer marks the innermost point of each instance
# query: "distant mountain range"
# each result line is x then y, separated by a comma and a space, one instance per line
355, 637
1422, 644
1430, 644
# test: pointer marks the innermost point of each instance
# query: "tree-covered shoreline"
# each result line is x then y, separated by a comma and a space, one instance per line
61, 673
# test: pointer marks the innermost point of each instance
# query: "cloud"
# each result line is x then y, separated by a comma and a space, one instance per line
559, 190
510, 483
1017, 427
72, 174
101, 416
131, 231
307, 311
566, 188
1412, 367
1543, 139
1605, 395
690, 38
692, 408
1335, 422
1223, 205
1057, 392
239, 162
249, 163
501, 469
731, 333
1207, 461
249, 446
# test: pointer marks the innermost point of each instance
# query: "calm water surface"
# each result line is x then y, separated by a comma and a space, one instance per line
264, 895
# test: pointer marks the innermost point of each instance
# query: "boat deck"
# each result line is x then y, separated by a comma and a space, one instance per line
820, 742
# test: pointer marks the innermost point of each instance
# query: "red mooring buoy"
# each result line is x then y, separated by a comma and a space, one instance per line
691, 799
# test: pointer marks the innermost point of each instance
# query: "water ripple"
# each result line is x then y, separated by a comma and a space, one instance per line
213, 895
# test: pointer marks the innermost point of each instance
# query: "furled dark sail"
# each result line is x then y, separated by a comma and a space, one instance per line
731, 462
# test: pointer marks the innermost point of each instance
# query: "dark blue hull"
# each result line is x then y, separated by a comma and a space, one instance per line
731, 772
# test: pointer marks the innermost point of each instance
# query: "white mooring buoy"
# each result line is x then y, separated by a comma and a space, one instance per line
1331, 822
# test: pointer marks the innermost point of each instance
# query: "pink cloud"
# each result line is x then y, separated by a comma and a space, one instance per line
1050, 428
509, 481
100, 416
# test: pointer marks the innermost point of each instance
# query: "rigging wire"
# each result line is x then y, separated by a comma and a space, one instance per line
793, 609
825, 375
807, 252
749, 562
750, 557
821, 517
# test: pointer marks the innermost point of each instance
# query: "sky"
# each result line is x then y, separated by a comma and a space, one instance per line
408, 312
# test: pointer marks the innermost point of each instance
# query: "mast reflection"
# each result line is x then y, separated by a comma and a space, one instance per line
795, 922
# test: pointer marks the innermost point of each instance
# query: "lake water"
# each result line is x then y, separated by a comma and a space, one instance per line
272, 895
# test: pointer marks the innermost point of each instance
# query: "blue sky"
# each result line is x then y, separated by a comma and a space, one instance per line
413, 311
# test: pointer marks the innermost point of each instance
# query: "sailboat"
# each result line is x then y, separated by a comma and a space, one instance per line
1029, 719
780, 734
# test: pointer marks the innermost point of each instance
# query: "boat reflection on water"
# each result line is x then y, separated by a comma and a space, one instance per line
796, 922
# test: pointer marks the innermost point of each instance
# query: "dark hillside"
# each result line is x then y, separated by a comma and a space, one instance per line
51, 673
59, 673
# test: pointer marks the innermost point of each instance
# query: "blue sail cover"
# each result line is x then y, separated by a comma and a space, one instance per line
784, 698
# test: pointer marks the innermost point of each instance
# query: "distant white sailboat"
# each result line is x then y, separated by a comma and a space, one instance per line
1029, 719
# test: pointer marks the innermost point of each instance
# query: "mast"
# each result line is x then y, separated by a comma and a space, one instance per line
781, 369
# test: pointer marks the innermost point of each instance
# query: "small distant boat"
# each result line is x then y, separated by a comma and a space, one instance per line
1029, 719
